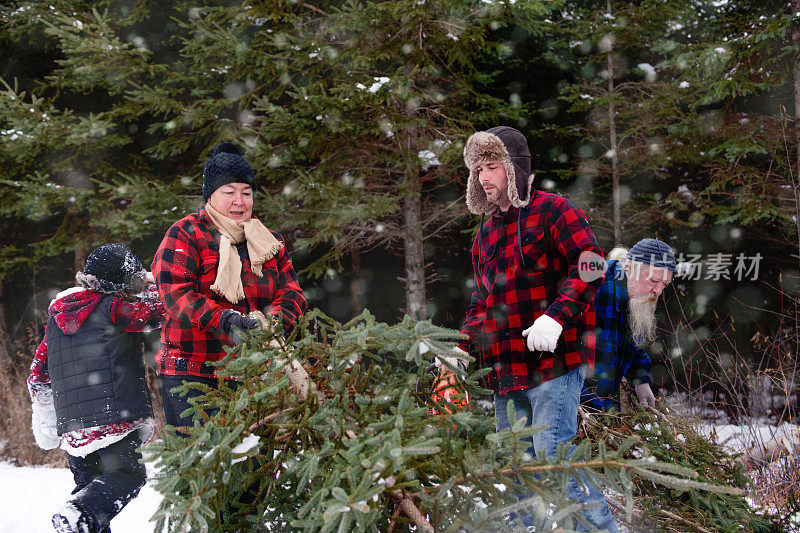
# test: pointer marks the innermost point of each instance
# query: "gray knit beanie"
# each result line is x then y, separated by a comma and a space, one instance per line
653, 252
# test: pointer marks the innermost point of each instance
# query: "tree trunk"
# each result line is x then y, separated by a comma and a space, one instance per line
80, 255
612, 127
415, 256
796, 38
356, 286
5, 340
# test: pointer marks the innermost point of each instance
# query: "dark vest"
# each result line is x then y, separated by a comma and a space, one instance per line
97, 374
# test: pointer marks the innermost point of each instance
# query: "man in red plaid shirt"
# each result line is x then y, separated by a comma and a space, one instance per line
537, 266
214, 268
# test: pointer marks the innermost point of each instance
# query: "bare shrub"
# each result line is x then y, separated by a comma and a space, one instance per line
759, 393
16, 439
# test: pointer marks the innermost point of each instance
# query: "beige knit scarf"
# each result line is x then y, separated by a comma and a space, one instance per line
261, 246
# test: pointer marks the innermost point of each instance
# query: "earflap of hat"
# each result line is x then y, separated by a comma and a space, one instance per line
520, 186
477, 203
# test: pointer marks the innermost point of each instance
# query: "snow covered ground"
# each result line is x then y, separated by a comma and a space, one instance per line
30, 495
741, 438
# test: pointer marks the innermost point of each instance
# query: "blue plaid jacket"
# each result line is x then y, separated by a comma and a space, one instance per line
615, 353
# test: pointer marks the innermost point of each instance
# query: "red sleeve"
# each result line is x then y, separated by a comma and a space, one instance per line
136, 316
573, 237
176, 270
39, 380
476, 312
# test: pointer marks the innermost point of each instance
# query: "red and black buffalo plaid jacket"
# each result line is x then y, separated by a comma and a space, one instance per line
185, 267
509, 296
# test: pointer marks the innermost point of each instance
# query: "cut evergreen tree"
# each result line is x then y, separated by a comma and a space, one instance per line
362, 453
664, 435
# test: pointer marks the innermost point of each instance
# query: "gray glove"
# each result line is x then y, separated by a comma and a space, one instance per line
645, 395
232, 321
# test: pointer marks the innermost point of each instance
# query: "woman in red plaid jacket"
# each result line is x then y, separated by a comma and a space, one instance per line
537, 266
213, 268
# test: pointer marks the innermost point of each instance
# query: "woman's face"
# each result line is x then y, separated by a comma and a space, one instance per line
234, 200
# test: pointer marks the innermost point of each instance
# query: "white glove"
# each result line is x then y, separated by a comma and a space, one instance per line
43, 424
543, 334
150, 291
645, 395
455, 362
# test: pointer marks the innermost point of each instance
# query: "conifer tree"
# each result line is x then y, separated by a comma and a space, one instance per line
72, 171
352, 112
382, 95
737, 132
625, 98
351, 445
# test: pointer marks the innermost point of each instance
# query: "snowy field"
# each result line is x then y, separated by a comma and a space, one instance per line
30, 495
740, 438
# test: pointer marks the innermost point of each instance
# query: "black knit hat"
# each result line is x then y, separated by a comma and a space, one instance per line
226, 166
653, 252
114, 269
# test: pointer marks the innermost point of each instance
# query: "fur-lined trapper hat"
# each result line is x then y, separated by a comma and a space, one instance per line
509, 146
113, 269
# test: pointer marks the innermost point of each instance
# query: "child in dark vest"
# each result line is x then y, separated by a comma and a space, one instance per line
88, 389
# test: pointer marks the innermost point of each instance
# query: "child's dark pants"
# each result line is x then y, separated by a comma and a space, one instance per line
107, 480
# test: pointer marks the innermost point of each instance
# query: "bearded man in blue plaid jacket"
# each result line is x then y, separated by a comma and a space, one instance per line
625, 308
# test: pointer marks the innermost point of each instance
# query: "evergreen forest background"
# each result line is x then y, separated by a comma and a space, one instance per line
677, 119
667, 118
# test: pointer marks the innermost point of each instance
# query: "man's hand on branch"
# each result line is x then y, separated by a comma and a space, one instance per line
645, 395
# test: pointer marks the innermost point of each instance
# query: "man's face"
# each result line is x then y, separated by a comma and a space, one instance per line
234, 200
647, 280
645, 285
493, 179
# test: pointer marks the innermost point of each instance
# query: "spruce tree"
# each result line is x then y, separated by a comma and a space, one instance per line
737, 134
353, 113
382, 95
624, 101
356, 448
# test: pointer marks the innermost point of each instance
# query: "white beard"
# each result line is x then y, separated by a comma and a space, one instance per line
642, 319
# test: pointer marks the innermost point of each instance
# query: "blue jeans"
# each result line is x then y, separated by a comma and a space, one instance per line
554, 404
